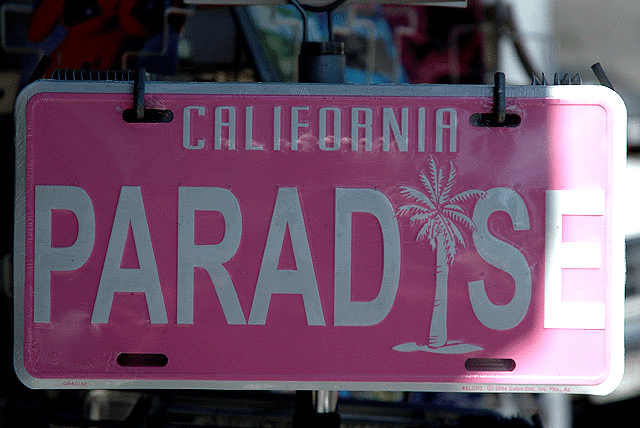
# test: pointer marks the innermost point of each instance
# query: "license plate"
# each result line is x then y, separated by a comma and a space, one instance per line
323, 237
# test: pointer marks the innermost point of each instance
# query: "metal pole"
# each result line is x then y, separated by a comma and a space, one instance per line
320, 62
316, 409
556, 410
325, 401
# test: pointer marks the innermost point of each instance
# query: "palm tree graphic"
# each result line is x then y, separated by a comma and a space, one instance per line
440, 216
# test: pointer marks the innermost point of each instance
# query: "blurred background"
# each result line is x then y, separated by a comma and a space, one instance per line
460, 42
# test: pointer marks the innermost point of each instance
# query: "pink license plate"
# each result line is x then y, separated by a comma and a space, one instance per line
324, 237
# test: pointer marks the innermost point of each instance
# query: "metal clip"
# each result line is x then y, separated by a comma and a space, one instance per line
92, 75
576, 79
601, 75
139, 113
566, 79
138, 93
535, 81
499, 98
498, 117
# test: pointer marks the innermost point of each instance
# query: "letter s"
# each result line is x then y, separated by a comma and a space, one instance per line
502, 256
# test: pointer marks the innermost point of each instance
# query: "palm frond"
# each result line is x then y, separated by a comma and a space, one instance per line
427, 232
440, 214
435, 175
455, 231
416, 195
454, 207
433, 233
422, 217
429, 186
450, 182
423, 232
410, 208
438, 230
466, 195
451, 233
461, 218
440, 183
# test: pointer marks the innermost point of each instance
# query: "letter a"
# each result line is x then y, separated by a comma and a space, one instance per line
208, 257
114, 279
271, 280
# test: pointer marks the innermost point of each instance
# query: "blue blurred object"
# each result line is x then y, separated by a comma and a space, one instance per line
274, 35
166, 63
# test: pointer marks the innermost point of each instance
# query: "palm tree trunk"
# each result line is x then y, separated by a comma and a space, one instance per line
438, 329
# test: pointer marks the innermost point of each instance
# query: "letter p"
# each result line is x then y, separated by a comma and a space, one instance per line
48, 258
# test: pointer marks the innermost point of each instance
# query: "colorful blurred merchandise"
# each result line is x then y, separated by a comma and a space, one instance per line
103, 34
383, 44
439, 44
